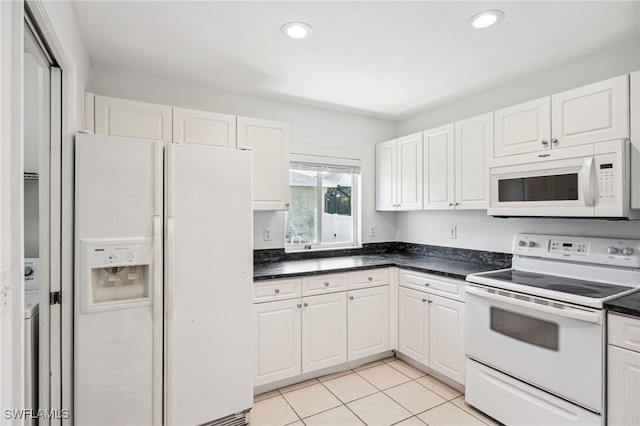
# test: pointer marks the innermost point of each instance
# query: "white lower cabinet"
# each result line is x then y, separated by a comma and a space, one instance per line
623, 370
307, 333
276, 333
368, 322
324, 331
431, 327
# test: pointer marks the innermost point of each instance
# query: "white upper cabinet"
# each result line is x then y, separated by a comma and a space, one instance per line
473, 141
523, 128
438, 167
593, 113
635, 138
454, 164
120, 117
269, 142
399, 173
386, 175
204, 128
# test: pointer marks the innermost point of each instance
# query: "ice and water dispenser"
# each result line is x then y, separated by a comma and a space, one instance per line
115, 274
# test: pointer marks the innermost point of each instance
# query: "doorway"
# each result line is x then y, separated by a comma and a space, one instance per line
42, 108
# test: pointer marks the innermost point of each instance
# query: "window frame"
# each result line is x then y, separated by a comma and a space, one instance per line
327, 164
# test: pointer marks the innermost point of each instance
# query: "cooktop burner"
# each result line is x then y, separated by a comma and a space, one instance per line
573, 286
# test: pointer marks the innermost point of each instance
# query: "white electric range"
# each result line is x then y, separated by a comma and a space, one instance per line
535, 332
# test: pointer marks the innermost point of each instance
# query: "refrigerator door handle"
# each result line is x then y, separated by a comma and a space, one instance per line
170, 300
157, 320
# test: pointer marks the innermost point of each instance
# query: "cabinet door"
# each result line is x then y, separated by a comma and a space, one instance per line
120, 117
386, 175
413, 324
473, 142
635, 138
438, 168
269, 142
446, 330
593, 113
409, 172
276, 333
623, 386
523, 128
204, 128
368, 322
324, 331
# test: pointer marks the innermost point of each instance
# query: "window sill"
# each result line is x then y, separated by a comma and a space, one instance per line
289, 250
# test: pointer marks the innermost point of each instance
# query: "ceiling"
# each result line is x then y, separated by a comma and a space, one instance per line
386, 59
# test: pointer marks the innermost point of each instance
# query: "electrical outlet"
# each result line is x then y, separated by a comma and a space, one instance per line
453, 232
372, 231
266, 234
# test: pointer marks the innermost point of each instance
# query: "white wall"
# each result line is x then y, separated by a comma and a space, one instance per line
314, 131
476, 230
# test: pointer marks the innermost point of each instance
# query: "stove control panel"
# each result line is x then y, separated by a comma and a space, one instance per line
605, 251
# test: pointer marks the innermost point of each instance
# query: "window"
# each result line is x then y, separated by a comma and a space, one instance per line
323, 211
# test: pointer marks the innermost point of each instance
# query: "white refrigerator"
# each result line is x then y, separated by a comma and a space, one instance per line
162, 295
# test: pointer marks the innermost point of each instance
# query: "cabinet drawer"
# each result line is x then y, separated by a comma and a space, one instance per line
442, 286
266, 291
624, 331
368, 278
322, 284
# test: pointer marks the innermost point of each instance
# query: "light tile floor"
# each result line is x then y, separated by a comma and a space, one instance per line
382, 393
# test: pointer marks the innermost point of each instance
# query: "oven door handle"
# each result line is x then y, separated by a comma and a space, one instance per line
566, 310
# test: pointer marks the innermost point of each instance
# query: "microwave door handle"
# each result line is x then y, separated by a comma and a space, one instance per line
587, 181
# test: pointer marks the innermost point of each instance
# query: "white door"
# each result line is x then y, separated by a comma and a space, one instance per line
409, 172
446, 330
204, 128
368, 322
324, 331
121, 117
523, 128
623, 387
413, 324
276, 334
473, 141
594, 113
208, 283
386, 164
438, 168
269, 142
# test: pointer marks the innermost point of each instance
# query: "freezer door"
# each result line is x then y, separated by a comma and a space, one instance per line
116, 181
209, 274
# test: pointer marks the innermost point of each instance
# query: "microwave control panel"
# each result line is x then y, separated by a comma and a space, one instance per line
607, 185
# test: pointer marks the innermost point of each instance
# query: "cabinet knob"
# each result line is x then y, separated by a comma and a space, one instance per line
554, 141
306, 304
450, 204
350, 297
326, 284
299, 305
545, 143
277, 290
424, 300
370, 279
427, 284
456, 204
429, 301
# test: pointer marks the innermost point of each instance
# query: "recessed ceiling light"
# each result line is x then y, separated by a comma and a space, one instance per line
297, 30
486, 19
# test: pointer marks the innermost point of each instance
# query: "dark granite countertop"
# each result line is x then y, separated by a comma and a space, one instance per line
628, 305
453, 268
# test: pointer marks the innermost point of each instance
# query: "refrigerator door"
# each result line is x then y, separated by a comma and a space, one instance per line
116, 198
208, 279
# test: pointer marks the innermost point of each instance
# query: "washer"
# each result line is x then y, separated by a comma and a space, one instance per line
31, 335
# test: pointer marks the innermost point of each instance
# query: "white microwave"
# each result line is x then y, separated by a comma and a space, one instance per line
582, 181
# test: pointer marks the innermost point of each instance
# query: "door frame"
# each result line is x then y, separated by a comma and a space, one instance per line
61, 244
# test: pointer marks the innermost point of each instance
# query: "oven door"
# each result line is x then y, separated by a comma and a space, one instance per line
562, 187
553, 346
